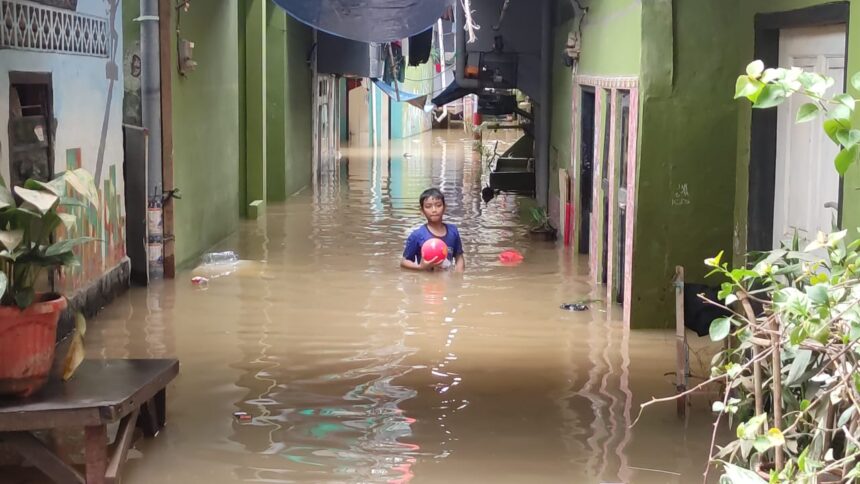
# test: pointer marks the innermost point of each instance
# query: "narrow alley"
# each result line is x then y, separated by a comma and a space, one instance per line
354, 371
435, 241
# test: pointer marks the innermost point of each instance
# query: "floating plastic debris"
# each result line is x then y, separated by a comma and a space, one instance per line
228, 257
510, 257
575, 306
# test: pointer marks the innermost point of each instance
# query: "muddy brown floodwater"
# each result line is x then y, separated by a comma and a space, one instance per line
355, 371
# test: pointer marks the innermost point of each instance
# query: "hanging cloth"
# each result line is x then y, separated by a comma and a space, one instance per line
420, 46
399, 64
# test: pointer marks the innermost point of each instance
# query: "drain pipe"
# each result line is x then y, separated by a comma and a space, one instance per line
150, 87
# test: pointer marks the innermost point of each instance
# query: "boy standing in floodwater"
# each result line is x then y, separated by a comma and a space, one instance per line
432, 203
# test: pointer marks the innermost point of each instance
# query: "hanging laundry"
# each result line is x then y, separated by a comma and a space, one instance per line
420, 47
399, 64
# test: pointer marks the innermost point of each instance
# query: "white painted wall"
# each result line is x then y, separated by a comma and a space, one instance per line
85, 101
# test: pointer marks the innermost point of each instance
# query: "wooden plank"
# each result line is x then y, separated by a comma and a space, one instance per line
96, 453
165, 38
680, 341
123, 443
40, 456
102, 391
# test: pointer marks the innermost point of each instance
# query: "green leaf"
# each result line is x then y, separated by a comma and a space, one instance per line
771, 95
714, 261
846, 415
67, 245
38, 200
818, 293
83, 184
855, 81
6, 198
775, 436
845, 100
804, 405
762, 444
69, 221
56, 186
24, 297
755, 69
72, 202
747, 88
844, 160
11, 239
831, 126
798, 366
739, 475
720, 329
807, 112
848, 138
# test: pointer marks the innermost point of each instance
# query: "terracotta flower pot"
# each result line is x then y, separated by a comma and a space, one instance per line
27, 341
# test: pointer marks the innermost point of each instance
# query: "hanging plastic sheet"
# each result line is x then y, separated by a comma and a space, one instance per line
367, 20
417, 100
452, 93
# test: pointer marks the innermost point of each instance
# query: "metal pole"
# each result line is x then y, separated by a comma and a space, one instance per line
150, 87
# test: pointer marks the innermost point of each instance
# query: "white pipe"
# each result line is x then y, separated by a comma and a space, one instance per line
442, 59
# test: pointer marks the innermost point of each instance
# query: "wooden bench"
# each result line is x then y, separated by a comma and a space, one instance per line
102, 392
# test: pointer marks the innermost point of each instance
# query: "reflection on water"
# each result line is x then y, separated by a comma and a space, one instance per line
354, 371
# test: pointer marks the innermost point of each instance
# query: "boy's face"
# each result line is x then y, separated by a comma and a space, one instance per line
433, 209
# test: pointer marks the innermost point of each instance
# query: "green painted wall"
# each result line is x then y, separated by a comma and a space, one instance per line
562, 91
407, 120
276, 75
256, 143
289, 105
298, 132
612, 34
688, 126
205, 130
611, 46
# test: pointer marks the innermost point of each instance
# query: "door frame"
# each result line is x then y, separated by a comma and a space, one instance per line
606, 96
764, 127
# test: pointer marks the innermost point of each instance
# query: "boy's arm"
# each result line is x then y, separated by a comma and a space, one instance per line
460, 263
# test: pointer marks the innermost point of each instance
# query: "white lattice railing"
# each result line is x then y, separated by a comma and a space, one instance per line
30, 26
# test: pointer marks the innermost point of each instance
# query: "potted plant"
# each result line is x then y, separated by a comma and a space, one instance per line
541, 227
29, 247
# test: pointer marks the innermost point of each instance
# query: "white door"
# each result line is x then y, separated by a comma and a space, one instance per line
806, 191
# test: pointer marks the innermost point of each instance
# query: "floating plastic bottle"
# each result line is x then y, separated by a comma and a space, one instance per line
228, 257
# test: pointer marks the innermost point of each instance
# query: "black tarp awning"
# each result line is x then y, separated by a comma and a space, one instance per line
367, 20
452, 93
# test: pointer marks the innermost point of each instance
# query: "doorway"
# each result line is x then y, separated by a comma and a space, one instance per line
31, 121
792, 185
586, 170
806, 187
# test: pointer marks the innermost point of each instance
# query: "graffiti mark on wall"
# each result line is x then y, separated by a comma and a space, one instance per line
681, 195
105, 223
